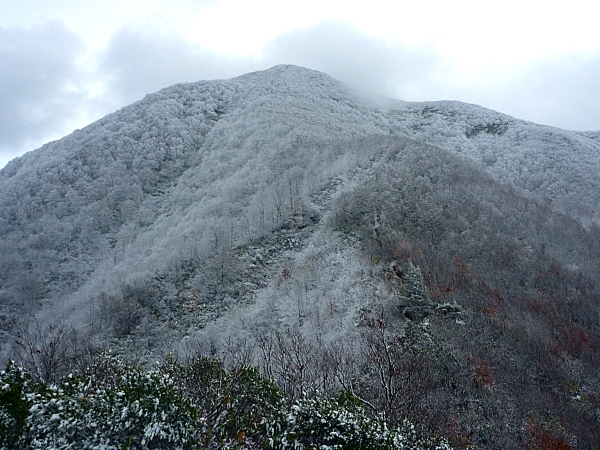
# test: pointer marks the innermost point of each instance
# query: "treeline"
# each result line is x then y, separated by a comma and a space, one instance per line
194, 403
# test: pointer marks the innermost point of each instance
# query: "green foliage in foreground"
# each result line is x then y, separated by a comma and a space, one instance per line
198, 405
341, 423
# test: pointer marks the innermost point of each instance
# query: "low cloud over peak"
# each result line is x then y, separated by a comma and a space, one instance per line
46, 90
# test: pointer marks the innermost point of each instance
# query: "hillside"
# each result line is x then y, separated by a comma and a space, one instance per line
556, 164
278, 210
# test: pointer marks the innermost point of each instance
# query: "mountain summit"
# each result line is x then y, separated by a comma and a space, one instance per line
280, 200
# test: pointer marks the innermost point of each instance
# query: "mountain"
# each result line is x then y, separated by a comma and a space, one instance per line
214, 214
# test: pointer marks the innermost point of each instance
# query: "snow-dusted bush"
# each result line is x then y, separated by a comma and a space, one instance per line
341, 423
16, 388
235, 405
112, 406
247, 400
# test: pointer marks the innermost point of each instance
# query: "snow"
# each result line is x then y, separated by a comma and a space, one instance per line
196, 172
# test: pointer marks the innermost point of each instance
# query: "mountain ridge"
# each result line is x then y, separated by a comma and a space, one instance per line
213, 213
188, 141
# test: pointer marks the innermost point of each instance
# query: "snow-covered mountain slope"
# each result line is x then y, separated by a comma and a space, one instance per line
279, 214
549, 162
223, 139
179, 178
166, 188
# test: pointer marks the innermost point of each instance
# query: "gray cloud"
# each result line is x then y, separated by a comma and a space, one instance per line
42, 88
136, 64
38, 79
562, 91
363, 62
43, 91
559, 90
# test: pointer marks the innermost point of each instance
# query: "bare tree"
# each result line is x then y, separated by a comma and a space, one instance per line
48, 351
300, 366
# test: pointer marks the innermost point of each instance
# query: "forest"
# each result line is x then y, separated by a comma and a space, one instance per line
224, 262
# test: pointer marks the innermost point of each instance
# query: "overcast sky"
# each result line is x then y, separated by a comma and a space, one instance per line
65, 63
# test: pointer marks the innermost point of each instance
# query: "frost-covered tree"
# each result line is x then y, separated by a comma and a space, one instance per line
342, 423
111, 405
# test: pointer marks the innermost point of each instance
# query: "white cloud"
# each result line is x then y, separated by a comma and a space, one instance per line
364, 62
40, 83
558, 90
53, 79
137, 63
